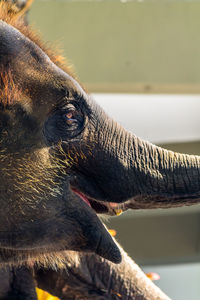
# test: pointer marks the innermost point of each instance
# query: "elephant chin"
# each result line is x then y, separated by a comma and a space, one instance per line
93, 237
89, 235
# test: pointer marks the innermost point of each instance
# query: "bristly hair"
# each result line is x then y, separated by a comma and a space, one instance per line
9, 91
14, 16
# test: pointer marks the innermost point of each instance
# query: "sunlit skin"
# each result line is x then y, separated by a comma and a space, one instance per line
62, 162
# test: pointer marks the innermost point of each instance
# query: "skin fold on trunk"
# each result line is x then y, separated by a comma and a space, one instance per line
147, 175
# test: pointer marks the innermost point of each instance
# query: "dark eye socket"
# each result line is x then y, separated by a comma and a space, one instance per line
64, 123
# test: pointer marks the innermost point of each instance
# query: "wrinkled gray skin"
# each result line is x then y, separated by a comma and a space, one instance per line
46, 155
39, 211
55, 140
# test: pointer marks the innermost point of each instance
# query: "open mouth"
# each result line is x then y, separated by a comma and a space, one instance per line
109, 208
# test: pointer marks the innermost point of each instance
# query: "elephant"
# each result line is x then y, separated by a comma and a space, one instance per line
63, 161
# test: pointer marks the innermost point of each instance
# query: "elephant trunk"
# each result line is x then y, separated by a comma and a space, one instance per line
146, 175
155, 177
116, 166
164, 178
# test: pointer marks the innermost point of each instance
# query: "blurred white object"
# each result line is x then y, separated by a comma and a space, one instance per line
156, 118
180, 282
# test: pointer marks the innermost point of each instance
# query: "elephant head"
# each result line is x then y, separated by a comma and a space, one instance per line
63, 160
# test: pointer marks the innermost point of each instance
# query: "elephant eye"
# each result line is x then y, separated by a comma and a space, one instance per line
73, 117
70, 117
65, 123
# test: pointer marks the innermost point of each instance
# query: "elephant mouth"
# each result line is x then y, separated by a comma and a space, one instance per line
100, 207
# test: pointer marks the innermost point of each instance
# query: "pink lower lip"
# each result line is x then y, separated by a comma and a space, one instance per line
85, 199
113, 204
82, 196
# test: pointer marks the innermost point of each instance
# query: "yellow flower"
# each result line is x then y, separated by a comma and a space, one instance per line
112, 232
42, 295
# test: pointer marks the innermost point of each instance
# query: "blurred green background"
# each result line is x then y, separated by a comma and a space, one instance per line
133, 46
